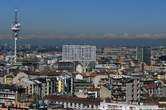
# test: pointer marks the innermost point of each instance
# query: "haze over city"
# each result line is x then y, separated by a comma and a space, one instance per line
116, 19
82, 55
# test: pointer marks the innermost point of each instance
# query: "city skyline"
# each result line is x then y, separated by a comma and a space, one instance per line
85, 19
82, 54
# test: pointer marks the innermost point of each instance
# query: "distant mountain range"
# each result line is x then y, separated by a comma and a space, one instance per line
87, 36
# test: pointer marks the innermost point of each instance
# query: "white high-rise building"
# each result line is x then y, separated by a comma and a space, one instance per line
81, 53
78, 53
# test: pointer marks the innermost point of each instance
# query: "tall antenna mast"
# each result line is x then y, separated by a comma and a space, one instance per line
15, 31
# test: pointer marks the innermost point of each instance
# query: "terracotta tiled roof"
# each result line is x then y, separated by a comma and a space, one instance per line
85, 101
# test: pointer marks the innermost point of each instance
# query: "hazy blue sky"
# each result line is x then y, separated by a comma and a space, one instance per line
85, 16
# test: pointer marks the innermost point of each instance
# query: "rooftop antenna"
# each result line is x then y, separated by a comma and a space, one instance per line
15, 31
